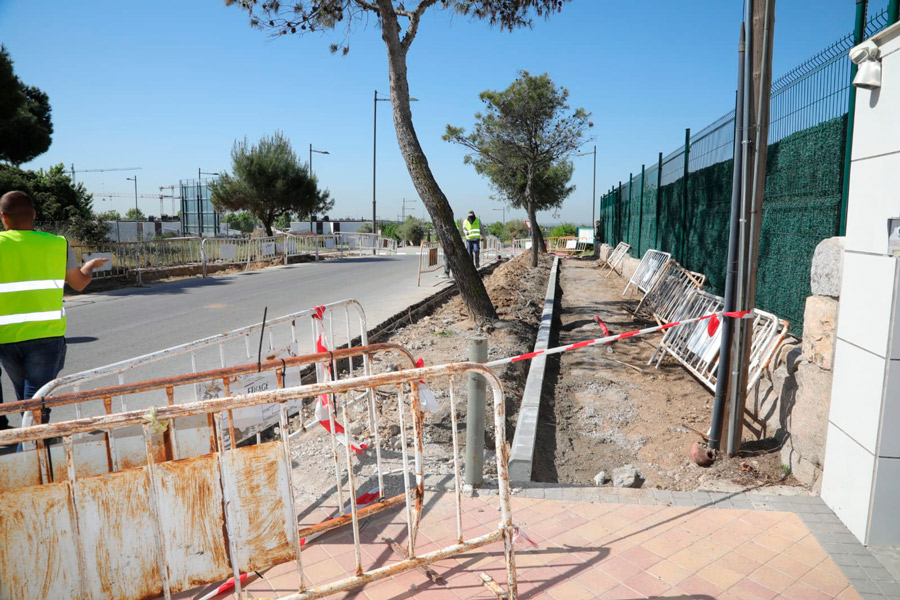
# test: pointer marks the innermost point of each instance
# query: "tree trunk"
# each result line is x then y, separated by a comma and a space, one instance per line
537, 238
471, 288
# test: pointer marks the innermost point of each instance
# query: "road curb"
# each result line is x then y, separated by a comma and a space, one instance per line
521, 456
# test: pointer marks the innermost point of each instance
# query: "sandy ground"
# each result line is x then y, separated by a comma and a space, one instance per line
603, 406
609, 408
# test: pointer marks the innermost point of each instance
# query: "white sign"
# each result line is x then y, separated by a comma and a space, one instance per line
227, 251
268, 248
86, 256
585, 234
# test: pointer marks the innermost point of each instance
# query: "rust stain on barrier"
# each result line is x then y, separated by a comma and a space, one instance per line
37, 543
337, 522
192, 520
116, 533
257, 487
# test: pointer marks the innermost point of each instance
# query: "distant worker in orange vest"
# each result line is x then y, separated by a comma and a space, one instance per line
472, 233
33, 267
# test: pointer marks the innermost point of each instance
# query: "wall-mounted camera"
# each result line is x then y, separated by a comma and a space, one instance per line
866, 57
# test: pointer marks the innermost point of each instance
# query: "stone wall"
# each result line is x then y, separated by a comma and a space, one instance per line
791, 403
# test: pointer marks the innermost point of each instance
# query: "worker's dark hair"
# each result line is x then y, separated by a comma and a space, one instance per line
17, 207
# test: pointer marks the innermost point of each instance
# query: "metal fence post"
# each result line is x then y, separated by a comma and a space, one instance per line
628, 222
316, 244
658, 194
475, 415
641, 212
684, 195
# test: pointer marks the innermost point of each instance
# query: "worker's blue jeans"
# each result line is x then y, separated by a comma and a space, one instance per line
474, 248
31, 364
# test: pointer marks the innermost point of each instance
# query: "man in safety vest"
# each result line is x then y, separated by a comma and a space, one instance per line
33, 267
472, 233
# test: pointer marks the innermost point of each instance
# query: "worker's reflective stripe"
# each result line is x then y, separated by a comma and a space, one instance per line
27, 286
47, 315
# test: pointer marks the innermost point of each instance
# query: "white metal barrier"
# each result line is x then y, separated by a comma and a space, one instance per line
178, 520
693, 347
280, 337
649, 269
668, 292
615, 257
127, 257
431, 259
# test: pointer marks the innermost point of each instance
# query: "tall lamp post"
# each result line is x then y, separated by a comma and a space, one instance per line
375, 147
504, 214
200, 201
311, 150
136, 211
593, 198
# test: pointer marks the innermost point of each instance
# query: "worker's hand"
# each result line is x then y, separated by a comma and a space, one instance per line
95, 263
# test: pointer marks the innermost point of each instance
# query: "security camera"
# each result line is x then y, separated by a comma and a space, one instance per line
866, 57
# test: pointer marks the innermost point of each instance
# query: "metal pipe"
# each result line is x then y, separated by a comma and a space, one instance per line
475, 416
727, 325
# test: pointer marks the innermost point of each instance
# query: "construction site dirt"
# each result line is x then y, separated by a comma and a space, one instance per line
603, 407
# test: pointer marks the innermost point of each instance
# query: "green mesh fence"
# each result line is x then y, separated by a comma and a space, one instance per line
803, 194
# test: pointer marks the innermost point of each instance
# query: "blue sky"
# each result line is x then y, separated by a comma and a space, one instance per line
169, 85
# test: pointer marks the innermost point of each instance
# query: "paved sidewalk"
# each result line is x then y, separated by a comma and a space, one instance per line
616, 544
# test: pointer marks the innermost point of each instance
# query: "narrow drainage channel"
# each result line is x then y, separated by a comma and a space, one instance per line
545, 446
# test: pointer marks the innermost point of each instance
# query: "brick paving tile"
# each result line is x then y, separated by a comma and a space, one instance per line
802, 591
620, 592
755, 552
641, 557
849, 594
619, 568
727, 538
720, 575
596, 580
671, 542
569, 590
695, 586
669, 572
698, 555
772, 578
385, 589
744, 528
701, 525
789, 566
747, 589
647, 585
739, 563
823, 582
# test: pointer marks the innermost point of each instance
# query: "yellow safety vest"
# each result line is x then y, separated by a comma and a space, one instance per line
32, 276
473, 229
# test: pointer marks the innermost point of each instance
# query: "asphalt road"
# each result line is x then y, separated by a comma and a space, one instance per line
109, 327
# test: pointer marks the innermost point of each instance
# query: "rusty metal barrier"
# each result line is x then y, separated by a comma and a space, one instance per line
114, 454
669, 291
280, 337
693, 347
615, 258
431, 259
648, 271
169, 525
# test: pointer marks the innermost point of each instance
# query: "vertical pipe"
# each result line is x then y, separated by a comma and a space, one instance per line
859, 32
658, 194
893, 12
475, 415
684, 194
722, 374
374, 150
641, 211
628, 221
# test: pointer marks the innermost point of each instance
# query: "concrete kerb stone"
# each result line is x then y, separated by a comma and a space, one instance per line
521, 456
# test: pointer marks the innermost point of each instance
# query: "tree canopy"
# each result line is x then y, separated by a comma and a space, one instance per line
242, 221
135, 214
521, 143
268, 181
25, 125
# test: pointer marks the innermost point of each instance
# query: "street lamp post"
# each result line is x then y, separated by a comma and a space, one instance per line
504, 214
311, 150
136, 211
200, 201
593, 198
375, 102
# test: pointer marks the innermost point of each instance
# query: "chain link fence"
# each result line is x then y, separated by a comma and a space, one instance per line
681, 204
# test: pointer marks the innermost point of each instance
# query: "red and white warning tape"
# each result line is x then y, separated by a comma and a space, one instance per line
713, 318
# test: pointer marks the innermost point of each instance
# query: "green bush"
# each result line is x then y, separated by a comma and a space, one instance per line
563, 230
